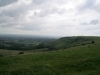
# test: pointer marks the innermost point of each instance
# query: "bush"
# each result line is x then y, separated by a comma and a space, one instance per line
83, 44
1, 55
21, 53
92, 41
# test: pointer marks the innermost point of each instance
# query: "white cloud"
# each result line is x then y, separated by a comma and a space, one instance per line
54, 17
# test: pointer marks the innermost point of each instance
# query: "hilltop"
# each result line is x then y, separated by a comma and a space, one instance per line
68, 42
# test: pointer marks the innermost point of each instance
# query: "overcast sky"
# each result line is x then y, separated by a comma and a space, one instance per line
50, 17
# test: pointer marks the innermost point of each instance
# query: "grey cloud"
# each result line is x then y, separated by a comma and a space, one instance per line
6, 21
97, 7
48, 11
93, 22
87, 4
92, 28
15, 17
39, 1
7, 25
84, 23
6, 2
90, 4
30, 27
47, 7
14, 12
21, 26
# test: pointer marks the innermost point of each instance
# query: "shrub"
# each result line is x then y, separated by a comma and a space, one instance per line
1, 55
83, 44
92, 41
21, 53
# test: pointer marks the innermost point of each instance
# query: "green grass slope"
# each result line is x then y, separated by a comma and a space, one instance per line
82, 60
67, 42
78, 60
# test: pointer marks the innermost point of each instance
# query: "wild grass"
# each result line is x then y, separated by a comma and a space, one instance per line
82, 60
79, 60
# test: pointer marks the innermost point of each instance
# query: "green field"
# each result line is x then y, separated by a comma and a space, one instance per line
77, 60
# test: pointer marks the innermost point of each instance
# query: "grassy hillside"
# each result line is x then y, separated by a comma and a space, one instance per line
67, 42
78, 60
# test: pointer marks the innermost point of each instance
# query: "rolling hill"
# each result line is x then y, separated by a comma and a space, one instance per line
82, 58
67, 42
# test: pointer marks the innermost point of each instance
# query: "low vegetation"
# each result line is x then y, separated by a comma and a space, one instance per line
80, 57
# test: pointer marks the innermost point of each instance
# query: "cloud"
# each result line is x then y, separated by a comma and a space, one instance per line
6, 2
87, 4
90, 4
38, 1
50, 10
16, 9
92, 22
50, 17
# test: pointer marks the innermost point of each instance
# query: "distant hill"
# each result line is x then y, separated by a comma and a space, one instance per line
67, 42
33, 43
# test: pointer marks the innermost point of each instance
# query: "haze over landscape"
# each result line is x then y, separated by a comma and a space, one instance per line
50, 17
